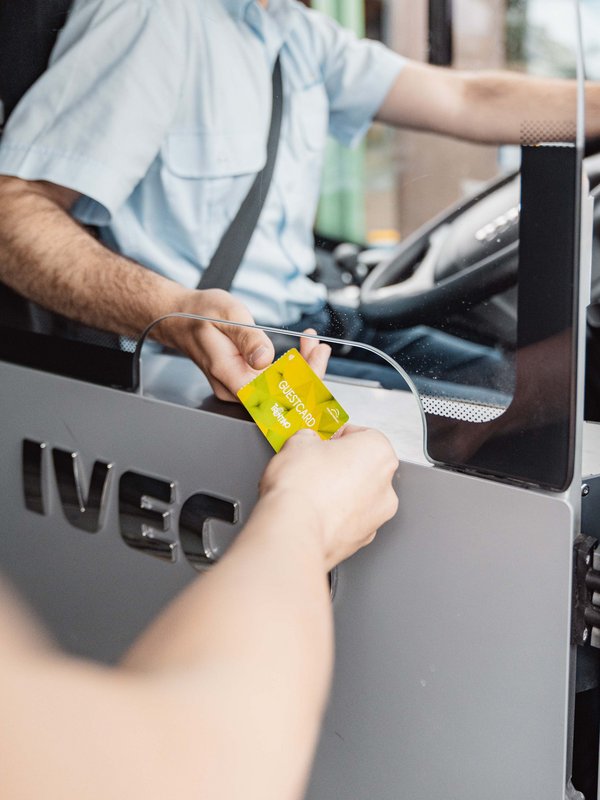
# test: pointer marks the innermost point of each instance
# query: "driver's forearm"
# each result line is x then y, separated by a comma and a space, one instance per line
48, 258
503, 107
489, 106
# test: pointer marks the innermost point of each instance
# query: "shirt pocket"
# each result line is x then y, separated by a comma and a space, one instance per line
310, 116
214, 154
206, 176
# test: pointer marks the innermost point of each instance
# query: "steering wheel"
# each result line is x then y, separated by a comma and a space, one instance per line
465, 256
459, 260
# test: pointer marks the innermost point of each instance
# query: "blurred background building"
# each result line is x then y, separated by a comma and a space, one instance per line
397, 180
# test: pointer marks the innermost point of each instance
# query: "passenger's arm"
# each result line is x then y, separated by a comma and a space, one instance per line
222, 697
484, 106
50, 259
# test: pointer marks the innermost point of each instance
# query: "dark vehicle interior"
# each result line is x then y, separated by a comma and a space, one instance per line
31, 335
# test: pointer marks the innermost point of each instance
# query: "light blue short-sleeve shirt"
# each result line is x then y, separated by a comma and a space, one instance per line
157, 112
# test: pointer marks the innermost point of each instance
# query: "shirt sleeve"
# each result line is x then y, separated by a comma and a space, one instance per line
95, 120
357, 73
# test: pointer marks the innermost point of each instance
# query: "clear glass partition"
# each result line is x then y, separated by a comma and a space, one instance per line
477, 310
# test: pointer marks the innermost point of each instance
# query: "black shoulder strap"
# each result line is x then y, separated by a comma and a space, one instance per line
229, 254
28, 29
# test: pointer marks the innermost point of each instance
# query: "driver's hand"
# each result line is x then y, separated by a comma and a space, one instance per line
229, 355
315, 352
343, 484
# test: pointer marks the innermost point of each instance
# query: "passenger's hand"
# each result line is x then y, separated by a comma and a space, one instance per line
346, 483
229, 355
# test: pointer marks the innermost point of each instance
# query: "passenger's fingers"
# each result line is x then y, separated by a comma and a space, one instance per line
372, 442
391, 506
302, 438
349, 429
339, 433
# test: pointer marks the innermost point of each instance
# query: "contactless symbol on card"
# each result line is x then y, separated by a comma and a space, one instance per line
288, 396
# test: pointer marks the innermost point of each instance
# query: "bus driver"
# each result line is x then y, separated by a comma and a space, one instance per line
151, 123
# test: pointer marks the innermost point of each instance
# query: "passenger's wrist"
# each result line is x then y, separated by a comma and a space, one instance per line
299, 525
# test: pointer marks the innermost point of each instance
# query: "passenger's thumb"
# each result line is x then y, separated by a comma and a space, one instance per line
302, 437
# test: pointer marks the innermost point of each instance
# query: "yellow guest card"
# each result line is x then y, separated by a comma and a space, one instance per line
288, 396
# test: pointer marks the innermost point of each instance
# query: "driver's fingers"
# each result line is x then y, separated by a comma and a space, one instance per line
252, 342
315, 353
319, 359
221, 391
222, 362
308, 345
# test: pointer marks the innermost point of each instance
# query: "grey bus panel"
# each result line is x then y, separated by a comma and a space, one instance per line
452, 671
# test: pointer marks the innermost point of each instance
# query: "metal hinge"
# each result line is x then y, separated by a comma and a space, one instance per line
585, 614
